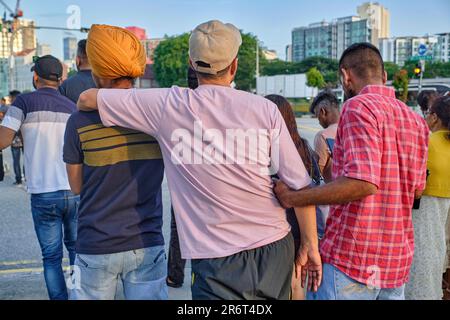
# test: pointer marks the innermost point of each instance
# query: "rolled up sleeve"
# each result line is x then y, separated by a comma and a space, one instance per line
362, 145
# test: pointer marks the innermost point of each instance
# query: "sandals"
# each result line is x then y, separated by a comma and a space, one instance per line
172, 284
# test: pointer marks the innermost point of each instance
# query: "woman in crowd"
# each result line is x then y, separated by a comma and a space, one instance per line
309, 158
431, 217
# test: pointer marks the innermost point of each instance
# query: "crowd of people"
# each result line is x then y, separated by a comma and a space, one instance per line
261, 214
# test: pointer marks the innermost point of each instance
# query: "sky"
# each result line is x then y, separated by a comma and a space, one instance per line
271, 20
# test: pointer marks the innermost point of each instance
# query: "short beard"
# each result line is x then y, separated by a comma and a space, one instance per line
348, 94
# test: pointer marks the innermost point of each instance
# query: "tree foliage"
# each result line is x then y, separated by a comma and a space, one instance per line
246, 75
172, 61
400, 83
314, 78
328, 68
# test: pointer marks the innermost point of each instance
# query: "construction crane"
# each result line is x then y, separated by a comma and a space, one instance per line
17, 13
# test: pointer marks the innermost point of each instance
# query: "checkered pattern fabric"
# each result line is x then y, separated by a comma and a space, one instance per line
381, 141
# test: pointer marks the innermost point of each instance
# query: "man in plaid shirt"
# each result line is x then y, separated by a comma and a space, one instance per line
379, 167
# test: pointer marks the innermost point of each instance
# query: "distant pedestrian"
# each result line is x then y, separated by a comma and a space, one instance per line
326, 108
75, 85
309, 158
379, 166
425, 99
431, 216
41, 116
16, 146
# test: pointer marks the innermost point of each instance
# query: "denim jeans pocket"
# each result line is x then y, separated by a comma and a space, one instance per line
92, 261
151, 256
44, 212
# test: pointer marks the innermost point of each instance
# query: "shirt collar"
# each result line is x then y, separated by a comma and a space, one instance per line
378, 89
49, 90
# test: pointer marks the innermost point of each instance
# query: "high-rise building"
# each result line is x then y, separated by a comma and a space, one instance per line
387, 49
379, 20
442, 48
70, 48
43, 49
347, 31
289, 53
23, 33
4, 77
15, 37
329, 40
22, 76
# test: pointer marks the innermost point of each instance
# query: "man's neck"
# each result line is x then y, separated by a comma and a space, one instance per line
47, 87
213, 82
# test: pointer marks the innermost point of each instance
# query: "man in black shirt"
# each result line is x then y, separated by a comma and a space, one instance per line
75, 85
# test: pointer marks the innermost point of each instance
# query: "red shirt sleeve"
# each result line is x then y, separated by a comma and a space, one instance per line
362, 147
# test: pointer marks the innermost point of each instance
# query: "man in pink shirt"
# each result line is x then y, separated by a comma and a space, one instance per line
220, 147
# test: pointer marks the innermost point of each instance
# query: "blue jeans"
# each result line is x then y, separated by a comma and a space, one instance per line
143, 274
55, 220
336, 285
16, 163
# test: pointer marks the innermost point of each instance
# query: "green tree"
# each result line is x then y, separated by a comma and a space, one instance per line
400, 83
314, 79
328, 68
391, 69
246, 75
172, 61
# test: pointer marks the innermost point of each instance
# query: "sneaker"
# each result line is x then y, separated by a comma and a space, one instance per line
18, 183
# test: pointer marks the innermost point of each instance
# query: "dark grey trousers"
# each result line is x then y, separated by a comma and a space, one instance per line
260, 274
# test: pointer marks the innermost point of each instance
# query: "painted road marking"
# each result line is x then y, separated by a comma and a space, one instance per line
26, 270
22, 262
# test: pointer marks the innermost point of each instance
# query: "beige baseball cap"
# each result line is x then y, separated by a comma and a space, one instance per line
213, 46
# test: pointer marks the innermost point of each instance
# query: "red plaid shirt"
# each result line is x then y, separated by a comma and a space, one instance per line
381, 141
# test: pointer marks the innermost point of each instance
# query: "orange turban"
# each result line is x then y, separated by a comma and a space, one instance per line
115, 52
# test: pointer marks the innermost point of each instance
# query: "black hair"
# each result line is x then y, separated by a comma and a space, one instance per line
441, 107
14, 93
218, 75
426, 98
364, 59
327, 96
81, 52
192, 79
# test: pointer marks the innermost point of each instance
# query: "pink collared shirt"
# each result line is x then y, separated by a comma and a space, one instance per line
220, 185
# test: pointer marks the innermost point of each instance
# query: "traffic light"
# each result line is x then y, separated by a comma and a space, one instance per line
419, 69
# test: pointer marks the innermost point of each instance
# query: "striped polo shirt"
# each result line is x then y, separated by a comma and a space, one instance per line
41, 116
121, 203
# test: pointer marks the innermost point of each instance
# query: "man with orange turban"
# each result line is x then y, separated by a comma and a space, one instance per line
118, 173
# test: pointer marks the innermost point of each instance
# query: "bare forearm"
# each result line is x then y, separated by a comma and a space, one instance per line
88, 100
75, 175
342, 190
306, 217
6, 137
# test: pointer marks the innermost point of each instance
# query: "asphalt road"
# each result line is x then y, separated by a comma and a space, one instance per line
20, 259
